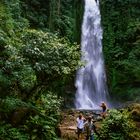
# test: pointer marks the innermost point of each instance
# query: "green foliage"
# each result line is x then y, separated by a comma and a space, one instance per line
33, 63
61, 16
13, 69
41, 122
50, 57
37, 12
118, 126
30, 58
121, 24
9, 104
50, 102
42, 125
7, 132
15, 73
11, 20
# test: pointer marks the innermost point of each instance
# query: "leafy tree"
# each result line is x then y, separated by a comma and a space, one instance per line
51, 58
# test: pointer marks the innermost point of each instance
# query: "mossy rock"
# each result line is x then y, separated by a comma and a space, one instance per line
19, 116
135, 111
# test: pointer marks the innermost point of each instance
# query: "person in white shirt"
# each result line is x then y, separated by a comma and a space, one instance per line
80, 125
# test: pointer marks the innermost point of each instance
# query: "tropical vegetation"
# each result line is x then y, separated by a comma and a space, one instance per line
39, 56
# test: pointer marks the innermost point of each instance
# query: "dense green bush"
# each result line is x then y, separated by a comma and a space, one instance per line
46, 52
43, 124
118, 126
34, 120
53, 59
7, 132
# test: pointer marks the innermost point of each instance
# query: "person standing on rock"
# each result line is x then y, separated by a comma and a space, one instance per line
90, 129
104, 109
80, 126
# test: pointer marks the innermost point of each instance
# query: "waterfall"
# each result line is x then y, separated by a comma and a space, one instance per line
91, 78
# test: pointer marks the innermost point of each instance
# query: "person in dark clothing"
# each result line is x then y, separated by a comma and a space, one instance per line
90, 128
104, 109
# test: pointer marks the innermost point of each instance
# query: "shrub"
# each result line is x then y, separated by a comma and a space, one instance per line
118, 126
7, 132
43, 124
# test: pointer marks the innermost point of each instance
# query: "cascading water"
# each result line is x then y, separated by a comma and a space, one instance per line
91, 78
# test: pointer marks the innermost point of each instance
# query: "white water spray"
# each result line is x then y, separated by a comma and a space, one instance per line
91, 78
